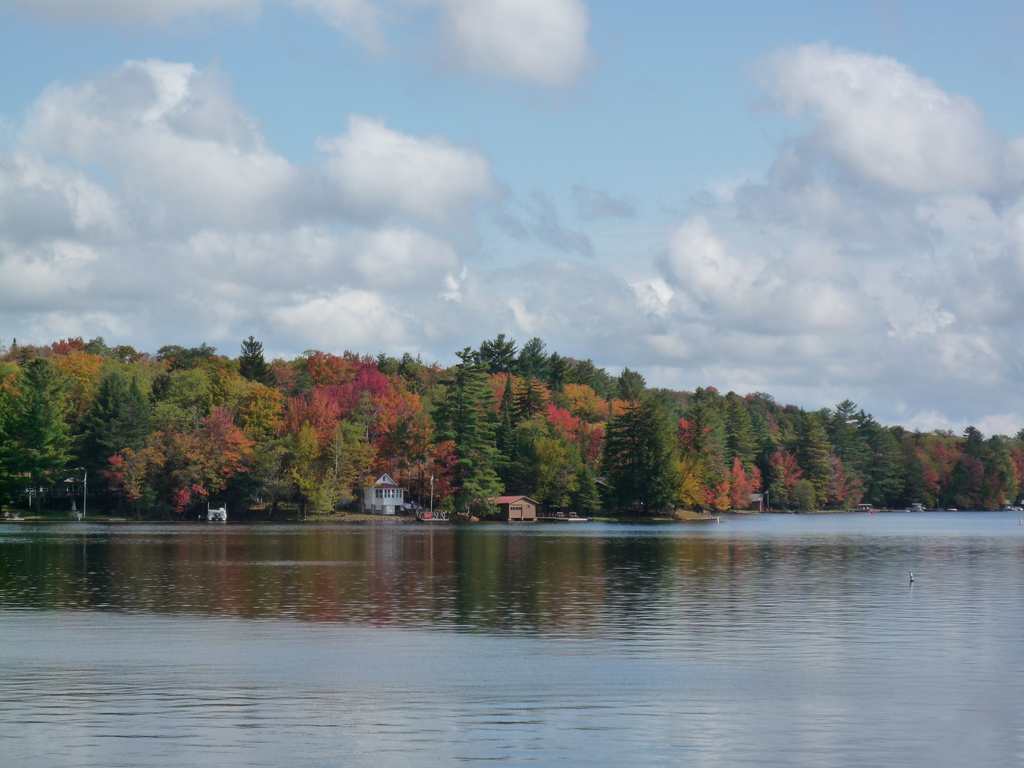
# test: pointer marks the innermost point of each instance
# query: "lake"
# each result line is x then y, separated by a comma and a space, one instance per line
768, 640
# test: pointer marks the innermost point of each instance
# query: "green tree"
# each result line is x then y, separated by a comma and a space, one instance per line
740, 442
631, 385
805, 496
816, 456
498, 355
559, 467
886, 476
251, 363
529, 400
465, 417
118, 418
640, 460
558, 369
587, 498
38, 445
533, 360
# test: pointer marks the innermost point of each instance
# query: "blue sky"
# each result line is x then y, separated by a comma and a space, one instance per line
708, 195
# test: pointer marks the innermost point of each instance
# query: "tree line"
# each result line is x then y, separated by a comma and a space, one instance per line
163, 434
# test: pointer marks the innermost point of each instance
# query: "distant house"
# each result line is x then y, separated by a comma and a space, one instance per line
757, 502
516, 508
384, 497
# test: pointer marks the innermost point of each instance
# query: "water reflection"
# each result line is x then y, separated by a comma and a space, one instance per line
769, 641
538, 580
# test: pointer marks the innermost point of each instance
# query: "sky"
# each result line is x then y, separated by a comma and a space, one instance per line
818, 201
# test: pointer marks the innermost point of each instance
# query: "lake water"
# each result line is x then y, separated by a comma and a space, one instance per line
772, 640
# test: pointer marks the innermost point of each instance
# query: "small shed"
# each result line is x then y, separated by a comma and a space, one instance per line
757, 502
516, 508
384, 497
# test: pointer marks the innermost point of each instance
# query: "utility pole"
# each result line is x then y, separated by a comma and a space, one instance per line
431, 497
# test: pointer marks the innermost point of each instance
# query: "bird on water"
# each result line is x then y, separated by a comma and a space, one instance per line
911, 574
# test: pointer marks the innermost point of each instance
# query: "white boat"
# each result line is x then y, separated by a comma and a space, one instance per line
216, 515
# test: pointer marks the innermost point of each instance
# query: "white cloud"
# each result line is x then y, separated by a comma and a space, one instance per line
886, 122
148, 206
404, 257
181, 149
542, 41
359, 17
147, 11
378, 169
345, 319
39, 200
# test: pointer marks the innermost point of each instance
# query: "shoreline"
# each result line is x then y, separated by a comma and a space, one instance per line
358, 519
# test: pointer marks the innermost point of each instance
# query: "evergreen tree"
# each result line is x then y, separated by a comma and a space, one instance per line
505, 434
465, 417
587, 499
707, 428
118, 418
251, 363
848, 432
38, 443
640, 458
533, 360
529, 400
631, 385
6, 443
558, 369
740, 442
499, 354
885, 476
816, 456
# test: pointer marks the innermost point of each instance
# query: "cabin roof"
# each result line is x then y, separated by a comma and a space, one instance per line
500, 500
386, 481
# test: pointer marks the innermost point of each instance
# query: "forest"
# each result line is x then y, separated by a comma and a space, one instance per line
161, 435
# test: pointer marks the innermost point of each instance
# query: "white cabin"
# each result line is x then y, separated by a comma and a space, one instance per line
384, 497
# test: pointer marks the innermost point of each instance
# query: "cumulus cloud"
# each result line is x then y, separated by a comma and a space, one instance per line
148, 205
878, 255
542, 41
345, 319
181, 149
886, 122
147, 11
361, 18
375, 168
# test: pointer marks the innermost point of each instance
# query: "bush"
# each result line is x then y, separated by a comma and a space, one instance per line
804, 497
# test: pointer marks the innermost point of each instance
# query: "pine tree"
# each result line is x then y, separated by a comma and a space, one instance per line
816, 456
39, 445
529, 400
740, 442
465, 417
117, 419
640, 460
558, 369
499, 354
587, 499
631, 385
251, 363
533, 360
886, 474
505, 434
848, 430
